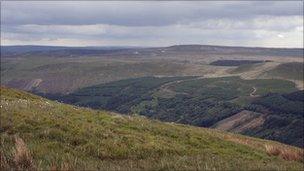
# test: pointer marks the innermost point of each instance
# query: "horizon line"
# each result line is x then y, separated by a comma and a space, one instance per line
232, 46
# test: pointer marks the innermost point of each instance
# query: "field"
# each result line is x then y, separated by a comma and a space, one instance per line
41, 134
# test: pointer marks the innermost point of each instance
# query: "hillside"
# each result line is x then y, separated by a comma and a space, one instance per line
66, 69
291, 71
42, 134
284, 120
11, 51
201, 102
70, 74
234, 62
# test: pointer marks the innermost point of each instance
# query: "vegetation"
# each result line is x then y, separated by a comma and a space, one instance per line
64, 75
66, 69
119, 96
284, 120
40, 134
291, 71
198, 102
244, 68
235, 62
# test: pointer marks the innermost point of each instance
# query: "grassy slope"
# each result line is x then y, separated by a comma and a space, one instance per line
73, 73
190, 100
244, 68
64, 136
292, 71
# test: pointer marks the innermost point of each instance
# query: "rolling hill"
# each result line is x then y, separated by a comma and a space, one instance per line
204, 102
11, 51
291, 71
66, 69
37, 133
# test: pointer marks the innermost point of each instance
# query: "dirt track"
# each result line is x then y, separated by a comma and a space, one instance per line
252, 93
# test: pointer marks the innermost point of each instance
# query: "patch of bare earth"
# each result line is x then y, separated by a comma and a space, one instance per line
252, 94
240, 122
32, 84
258, 70
25, 84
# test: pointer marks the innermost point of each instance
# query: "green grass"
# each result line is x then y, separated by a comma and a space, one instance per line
186, 100
245, 68
291, 71
63, 136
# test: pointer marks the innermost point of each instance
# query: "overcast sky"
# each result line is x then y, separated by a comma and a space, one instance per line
152, 23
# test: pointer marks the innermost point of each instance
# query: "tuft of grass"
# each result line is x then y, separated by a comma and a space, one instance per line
22, 156
285, 153
4, 165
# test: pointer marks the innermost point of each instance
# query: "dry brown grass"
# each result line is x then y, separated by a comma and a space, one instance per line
22, 156
64, 166
240, 140
285, 153
4, 165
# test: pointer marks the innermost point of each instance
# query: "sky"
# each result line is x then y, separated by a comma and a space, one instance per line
153, 23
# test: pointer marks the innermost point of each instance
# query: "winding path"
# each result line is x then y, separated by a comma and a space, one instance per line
165, 87
252, 93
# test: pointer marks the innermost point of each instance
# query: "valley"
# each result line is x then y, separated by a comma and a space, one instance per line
51, 135
203, 102
214, 96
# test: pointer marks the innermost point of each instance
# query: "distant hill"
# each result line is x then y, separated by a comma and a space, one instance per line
9, 50
41, 134
12, 51
65, 69
295, 52
207, 49
292, 71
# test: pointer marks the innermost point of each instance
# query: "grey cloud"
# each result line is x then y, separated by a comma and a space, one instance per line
155, 23
129, 13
